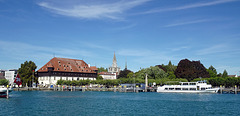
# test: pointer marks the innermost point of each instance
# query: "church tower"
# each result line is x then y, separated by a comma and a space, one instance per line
114, 68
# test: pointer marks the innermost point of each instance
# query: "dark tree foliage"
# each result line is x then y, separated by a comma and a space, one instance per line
26, 72
225, 74
124, 73
190, 70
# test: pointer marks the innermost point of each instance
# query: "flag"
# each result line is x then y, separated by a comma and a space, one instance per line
18, 80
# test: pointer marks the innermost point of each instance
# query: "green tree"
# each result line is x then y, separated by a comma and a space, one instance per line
102, 69
99, 77
26, 72
153, 73
212, 71
4, 82
225, 74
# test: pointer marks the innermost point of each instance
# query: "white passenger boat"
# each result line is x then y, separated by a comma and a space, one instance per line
188, 87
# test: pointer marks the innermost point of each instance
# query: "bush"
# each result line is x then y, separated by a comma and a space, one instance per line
4, 82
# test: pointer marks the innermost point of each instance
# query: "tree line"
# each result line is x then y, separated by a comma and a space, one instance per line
160, 74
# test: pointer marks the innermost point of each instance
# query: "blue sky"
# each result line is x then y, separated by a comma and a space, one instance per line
143, 32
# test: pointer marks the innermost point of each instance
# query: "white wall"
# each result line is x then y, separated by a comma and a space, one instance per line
46, 80
10, 75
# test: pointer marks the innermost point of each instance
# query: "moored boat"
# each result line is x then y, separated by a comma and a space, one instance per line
188, 87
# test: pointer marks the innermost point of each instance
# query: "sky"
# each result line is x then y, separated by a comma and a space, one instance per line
142, 33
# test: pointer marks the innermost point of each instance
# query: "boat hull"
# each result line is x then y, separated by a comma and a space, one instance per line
215, 90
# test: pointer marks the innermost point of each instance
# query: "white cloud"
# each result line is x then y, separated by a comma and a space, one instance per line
187, 23
94, 11
213, 49
24, 51
189, 6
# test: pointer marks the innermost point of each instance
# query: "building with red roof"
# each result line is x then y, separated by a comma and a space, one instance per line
65, 69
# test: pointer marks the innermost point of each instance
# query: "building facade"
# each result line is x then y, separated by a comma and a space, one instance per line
10, 75
108, 75
2, 74
65, 69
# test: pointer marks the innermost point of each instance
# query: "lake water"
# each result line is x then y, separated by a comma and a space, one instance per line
109, 103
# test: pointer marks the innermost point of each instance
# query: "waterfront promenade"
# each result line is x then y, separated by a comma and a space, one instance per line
231, 90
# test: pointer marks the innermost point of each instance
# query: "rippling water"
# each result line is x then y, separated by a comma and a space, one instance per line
110, 103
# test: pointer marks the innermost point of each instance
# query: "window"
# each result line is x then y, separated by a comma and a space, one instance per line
185, 83
166, 88
192, 88
192, 83
184, 88
203, 88
171, 88
177, 88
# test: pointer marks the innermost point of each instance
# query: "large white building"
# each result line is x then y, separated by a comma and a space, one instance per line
65, 69
10, 75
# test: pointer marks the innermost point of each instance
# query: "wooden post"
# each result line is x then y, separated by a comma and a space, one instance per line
7, 92
83, 88
125, 88
235, 89
120, 88
136, 89
71, 88
146, 82
114, 88
221, 89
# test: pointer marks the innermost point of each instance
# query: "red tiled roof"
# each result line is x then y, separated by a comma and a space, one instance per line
105, 73
94, 68
67, 65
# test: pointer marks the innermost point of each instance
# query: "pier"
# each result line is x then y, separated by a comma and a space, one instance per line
223, 90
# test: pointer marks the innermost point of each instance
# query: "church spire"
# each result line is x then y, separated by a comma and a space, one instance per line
126, 64
114, 64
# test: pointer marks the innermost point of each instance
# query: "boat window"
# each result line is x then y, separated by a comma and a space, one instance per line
184, 88
192, 88
166, 88
192, 83
209, 87
185, 83
171, 88
177, 88
203, 88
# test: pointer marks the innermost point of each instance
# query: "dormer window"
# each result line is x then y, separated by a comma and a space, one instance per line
57, 68
59, 62
79, 66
